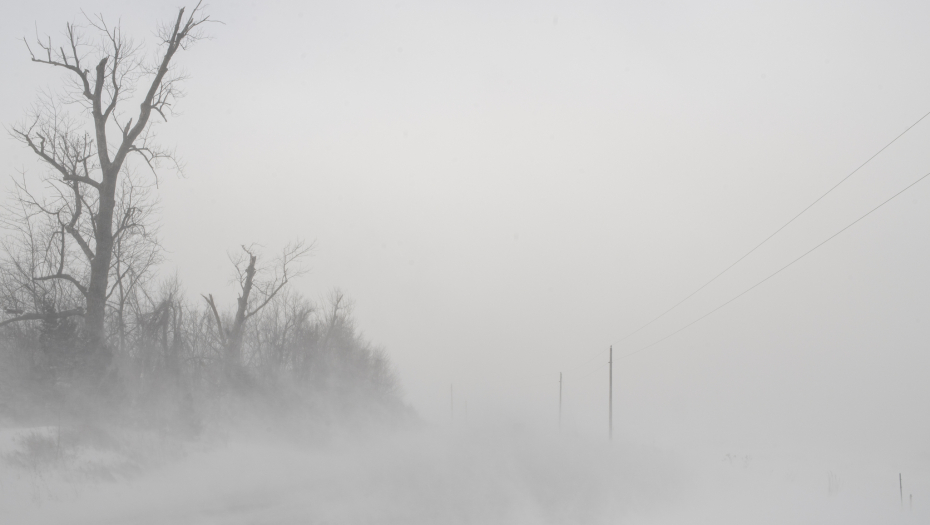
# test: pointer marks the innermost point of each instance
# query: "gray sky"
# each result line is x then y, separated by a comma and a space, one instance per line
506, 188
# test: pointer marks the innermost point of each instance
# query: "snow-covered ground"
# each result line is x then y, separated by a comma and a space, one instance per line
425, 476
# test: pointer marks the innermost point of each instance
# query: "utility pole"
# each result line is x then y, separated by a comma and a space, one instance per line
560, 400
451, 404
901, 488
610, 398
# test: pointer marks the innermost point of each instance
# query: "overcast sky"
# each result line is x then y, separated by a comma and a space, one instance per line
507, 188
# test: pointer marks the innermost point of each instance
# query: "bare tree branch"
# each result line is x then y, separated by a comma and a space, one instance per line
65, 277
47, 316
216, 315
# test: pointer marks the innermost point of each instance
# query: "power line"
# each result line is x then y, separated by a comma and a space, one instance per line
593, 370
805, 254
756, 247
592, 358
776, 232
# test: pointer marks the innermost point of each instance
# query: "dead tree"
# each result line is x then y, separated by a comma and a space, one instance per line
258, 286
136, 251
277, 330
87, 151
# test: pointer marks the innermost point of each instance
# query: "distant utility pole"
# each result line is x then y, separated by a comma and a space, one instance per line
560, 400
901, 488
451, 404
610, 398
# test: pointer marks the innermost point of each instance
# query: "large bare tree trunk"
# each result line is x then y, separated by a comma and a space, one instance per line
237, 332
95, 316
89, 165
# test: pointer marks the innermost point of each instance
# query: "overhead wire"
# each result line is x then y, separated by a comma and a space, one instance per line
805, 254
753, 287
751, 251
759, 283
592, 358
776, 232
759, 245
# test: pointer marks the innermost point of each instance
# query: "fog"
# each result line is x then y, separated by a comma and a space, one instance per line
505, 475
504, 191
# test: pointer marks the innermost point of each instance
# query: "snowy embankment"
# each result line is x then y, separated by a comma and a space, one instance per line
427, 476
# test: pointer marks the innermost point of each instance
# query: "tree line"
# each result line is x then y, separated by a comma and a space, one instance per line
85, 312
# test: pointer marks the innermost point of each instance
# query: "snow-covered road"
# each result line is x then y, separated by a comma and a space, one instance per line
437, 477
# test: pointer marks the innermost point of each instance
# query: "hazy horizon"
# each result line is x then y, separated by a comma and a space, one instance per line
505, 190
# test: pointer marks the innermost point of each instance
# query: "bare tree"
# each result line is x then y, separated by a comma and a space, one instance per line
34, 249
276, 331
258, 286
87, 150
136, 251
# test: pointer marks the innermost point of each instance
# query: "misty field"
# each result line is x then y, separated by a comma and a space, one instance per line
419, 476
258, 259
